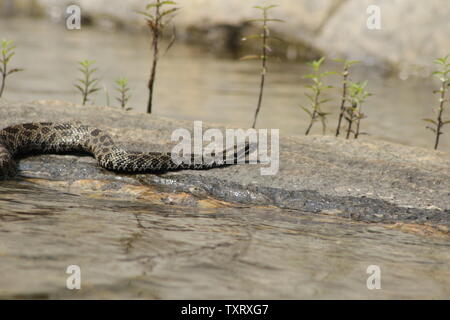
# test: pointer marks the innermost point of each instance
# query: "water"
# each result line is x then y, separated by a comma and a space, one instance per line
196, 86
137, 249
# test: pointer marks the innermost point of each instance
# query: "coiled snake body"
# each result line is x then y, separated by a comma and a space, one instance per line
72, 137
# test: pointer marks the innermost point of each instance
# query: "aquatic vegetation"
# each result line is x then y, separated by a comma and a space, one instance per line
357, 95
88, 84
345, 79
123, 90
443, 76
7, 47
265, 38
156, 22
315, 111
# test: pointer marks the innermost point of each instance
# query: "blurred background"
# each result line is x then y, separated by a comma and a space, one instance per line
202, 78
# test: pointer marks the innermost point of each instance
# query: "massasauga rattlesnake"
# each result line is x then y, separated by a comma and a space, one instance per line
73, 137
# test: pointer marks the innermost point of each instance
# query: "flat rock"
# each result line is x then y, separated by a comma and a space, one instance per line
309, 232
365, 180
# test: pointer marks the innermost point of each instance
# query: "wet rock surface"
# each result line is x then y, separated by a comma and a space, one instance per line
334, 208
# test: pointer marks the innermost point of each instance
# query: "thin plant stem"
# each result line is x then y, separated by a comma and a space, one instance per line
349, 129
264, 70
86, 88
3, 82
314, 114
155, 45
344, 98
440, 122
358, 122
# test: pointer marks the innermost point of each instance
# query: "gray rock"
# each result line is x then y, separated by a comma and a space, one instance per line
366, 180
411, 34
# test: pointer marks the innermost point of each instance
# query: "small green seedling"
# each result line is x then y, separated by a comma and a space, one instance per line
357, 95
264, 37
88, 84
315, 111
443, 76
345, 79
156, 22
7, 47
124, 95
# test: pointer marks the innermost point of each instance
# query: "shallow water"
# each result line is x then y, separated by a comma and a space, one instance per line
196, 86
134, 249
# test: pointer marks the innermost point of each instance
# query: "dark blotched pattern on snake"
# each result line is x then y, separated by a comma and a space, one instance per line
44, 137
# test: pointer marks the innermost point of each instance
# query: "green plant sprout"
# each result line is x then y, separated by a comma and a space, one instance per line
315, 110
7, 47
357, 95
105, 88
123, 89
264, 37
156, 22
345, 78
443, 76
88, 84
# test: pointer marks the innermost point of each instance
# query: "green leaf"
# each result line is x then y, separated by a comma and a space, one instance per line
251, 37
160, 4
93, 90
310, 97
91, 71
250, 57
352, 62
268, 48
79, 88
276, 38
430, 120
167, 12
270, 6
168, 3
274, 20
327, 73
9, 56
324, 101
257, 20
146, 14
307, 111
14, 71
91, 82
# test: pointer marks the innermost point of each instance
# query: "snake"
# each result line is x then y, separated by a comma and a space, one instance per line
60, 138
